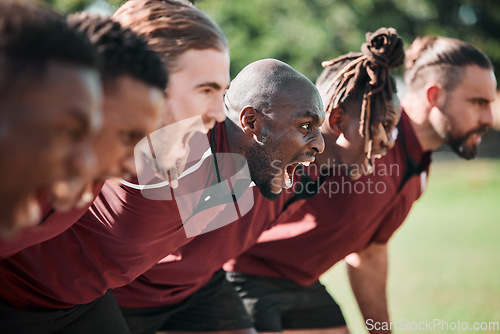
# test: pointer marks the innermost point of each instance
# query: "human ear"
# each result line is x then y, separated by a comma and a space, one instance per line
433, 93
248, 119
335, 120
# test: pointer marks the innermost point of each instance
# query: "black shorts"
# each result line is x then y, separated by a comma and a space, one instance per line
102, 316
277, 304
215, 307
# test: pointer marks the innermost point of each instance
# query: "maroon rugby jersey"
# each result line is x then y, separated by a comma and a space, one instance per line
187, 270
121, 236
343, 218
53, 223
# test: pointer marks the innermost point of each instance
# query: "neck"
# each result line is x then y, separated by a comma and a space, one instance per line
235, 137
419, 116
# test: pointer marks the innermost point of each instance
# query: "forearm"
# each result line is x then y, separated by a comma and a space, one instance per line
367, 271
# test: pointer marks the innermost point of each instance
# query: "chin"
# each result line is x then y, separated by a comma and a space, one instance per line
465, 152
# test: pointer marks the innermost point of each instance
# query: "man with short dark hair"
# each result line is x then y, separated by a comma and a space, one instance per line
133, 80
50, 107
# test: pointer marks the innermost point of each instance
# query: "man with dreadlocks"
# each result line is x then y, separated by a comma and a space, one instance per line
450, 88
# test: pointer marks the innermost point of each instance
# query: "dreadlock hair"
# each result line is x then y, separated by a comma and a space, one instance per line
364, 76
171, 27
120, 51
441, 58
31, 36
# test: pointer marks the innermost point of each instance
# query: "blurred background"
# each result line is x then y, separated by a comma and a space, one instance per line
445, 260
303, 33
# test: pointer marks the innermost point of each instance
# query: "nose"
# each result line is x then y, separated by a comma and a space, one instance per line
487, 117
383, 139
317, 143
83, 161
215, 113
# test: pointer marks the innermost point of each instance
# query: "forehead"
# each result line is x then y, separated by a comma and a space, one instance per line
478, 83
132, 102
62, 90
304, 102
195, 67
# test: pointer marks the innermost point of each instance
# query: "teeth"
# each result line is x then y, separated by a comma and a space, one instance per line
306, 163
377, 156
288, 179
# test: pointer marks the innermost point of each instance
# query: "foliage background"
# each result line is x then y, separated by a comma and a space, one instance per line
305, 32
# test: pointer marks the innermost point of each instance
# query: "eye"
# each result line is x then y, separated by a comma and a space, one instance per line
306, 126
72, 134
207, 91
130, 137
480, 102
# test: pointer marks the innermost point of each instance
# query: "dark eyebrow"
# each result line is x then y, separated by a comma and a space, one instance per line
479, 99
213, 85
308, 114
81, 117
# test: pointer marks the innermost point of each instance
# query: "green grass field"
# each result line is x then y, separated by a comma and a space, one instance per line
445, 260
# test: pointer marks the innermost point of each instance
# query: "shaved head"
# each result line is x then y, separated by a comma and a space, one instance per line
274, 114
265, 84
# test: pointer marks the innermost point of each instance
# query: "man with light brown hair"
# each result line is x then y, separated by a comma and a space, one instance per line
196, 54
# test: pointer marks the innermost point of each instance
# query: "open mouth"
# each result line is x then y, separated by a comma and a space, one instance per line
289, 171
477, 137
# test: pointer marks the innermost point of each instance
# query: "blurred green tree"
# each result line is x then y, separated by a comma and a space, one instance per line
306, 32
303, 33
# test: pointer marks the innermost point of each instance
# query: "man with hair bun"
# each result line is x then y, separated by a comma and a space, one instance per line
450, 86
50, 108
457, 83
187, 291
